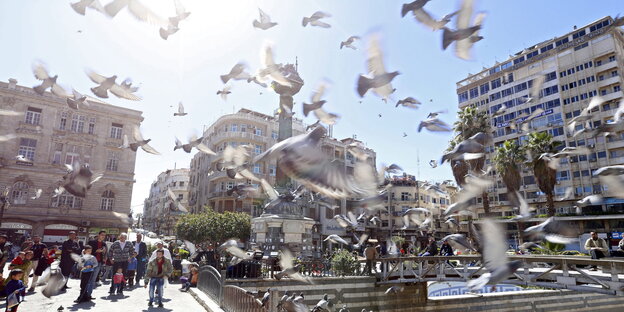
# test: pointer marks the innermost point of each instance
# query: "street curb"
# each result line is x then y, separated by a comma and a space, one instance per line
204, 300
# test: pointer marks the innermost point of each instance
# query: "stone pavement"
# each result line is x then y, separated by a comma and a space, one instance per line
133, 300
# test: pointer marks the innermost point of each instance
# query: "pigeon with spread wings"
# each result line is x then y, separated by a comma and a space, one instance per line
106, 84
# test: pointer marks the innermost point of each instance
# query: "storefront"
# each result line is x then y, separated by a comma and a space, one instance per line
16, 231
111, 233
57, 233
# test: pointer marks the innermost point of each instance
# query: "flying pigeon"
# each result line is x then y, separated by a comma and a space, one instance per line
426, 19
37, 194
316, 106
265, 21
180, 110
394, 290
433, 163
77, 100
336, 239
412, 6
196, 143
139, 142
136, 9
551, 230
108, 84
256, 81
465, 35
41, 73
81, 6
378, 79
80, 180
7, 137
55, 281
408, 102
231, 247
224, 92
286, 263
6, 112
349, 42
315, 20
346, 221
174, 21
236, 73
470, 145
459, 241
269, 68
22, 158
434, 125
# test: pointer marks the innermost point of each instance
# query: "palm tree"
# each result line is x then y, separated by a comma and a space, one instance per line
470, 121
546, 177
509, 158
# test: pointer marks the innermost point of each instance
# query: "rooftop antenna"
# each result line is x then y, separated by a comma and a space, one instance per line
418, 164
296, 64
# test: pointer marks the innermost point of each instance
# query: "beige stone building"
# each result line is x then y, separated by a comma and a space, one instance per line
579, 65
160, 213
51, 135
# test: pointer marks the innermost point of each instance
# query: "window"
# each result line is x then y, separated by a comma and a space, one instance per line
507, 92
531, 54
256, 168
584, 45
27, 148
258, 149
63, 121
181, 183
495, 96
92, 125
274, 135
258, 131
272, 170
108, 200
561, 41
243, 128
234, 127
518, 60
563, 175
506, 65
19, 193
116, 130
578, 34
496, 83
67, 200
58, 151
72, 155
77, 124
174, 183
180, 196
546, 48
463, 97
112, 164
474, 92
33, 116
484, 88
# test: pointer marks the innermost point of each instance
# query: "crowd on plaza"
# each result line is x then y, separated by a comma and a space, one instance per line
125, 263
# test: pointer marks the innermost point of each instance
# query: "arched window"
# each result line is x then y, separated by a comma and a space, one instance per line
108, 200
19, 193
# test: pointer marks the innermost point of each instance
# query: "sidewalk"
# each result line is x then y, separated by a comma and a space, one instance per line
205, 300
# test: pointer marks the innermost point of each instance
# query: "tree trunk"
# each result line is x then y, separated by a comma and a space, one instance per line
486, 204
551, 204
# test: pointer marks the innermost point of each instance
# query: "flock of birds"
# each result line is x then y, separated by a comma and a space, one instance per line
320, 179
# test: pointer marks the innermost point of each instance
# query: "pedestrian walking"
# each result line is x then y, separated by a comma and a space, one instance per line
132, 268
141, 249
46, 259
89, 262
37, 248
15, 290
119, 280
119, 254
99, 251
157, 271
67, 263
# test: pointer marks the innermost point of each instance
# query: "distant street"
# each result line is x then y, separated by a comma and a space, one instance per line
135, 299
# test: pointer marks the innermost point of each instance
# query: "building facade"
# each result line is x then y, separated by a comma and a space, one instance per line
577, 66
160, 213
50, 134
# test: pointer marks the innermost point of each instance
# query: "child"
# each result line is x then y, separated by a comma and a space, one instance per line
22, 262
46, 259
106, 271
193, 280
88, 263
118, 281
15, 286
132, 267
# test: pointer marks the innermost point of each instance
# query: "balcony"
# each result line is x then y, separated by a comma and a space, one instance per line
605, 66
607, 81
615, 143
216, 138
24, 127
612, 95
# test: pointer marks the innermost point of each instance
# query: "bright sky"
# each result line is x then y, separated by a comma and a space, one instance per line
218, 34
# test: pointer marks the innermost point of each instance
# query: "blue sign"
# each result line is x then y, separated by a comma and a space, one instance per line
616, 235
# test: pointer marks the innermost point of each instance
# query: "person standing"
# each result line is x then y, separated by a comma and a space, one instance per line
44, 262
5, 249
37, 248
132, 268
67, 263
597, 248
98, 249
141, 249
119, 254
15, 286
89, 262
157, 271
166, 252
371, 253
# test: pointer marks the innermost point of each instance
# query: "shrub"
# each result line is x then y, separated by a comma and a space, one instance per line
344, 263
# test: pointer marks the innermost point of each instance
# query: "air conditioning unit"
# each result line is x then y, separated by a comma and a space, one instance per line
82, 230
85, 223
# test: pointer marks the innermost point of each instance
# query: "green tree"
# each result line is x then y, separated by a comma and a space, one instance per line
343, 263
508, 159
470, 121
214, 227
546, 177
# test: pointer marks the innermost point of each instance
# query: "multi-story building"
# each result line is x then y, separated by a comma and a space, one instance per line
51, 135
208, 187
577, 66
160, 212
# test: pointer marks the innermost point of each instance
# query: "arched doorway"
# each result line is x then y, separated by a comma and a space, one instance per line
57, 233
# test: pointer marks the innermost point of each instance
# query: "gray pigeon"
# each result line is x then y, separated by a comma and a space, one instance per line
236, 73
41, 73
466, 34
140, 142
551, 230
265, 21
324, 305
224, 92
412, 6
180, 110
408, 102
80, 179
194, 142
349, 42
316, 106
426, 19
55, 281
459, 241
378, 78
108, 84
77, 100
433, 163
174, 21
315, 20
434, 125
494, 257
470, 145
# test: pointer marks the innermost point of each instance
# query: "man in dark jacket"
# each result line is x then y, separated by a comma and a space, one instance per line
119, 254
98, 249
67, 263
141, 249
37, 248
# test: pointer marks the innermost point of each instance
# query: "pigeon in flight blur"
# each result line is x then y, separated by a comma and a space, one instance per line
463, 35
551, 230
433, 163
231, 247
435, 114
346, 221
288, 269
426, 19
349, 42
108, 84
265, 21
412, 6
136, 9
193, 142
471, 145
394, 290
256, 81
77, 100
6, 112
494, 258
404, 134
80, 179
174, 21
224, 92
180, 110
41, 73
378, 79
336, 239
317, 106
459, 241
269, 68
315, 20
37, 194
237, 73
434, 125
7, 137
324, 305
140, 142
81, 6
408, 102
303, 160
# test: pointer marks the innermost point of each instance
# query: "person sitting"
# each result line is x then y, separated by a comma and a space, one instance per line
432, 249
620, 251
597, 248
446, 249
193, 280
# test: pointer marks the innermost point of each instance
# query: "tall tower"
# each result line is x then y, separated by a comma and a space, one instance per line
286, 112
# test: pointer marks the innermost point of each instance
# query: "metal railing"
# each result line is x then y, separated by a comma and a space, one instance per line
211, 282
267, 268
237, 299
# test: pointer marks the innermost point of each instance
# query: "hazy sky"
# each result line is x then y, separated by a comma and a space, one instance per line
219, 34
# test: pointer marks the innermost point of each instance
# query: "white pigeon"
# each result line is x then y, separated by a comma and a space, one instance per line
315, 20
81, 6
336, 239
236, 73
265, 21
137, 9
180, 110
349, 42
41, 73
37, 194
269, 68
224, 92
